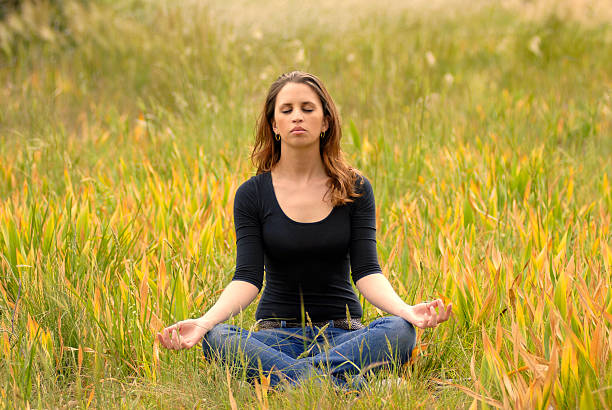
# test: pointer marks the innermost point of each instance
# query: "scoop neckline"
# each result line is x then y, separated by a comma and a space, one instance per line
286, 216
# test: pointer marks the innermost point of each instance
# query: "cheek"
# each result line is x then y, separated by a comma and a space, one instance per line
281, 123
321, 120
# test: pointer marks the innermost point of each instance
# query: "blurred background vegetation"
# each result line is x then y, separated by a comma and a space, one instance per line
125, 129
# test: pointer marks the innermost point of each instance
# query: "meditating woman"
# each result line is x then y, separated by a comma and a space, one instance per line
308, 220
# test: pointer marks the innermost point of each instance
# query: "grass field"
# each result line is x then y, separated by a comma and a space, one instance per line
125, 129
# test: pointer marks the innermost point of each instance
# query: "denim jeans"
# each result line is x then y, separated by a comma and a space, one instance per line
296, 354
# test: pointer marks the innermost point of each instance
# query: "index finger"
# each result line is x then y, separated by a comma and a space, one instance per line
171, 328
163, 338
436, 304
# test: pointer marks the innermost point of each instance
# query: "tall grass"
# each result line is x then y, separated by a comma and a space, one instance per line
125, 130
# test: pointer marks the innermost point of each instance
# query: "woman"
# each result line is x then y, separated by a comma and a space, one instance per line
309, 219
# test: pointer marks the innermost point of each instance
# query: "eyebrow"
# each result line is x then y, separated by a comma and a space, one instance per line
303, 103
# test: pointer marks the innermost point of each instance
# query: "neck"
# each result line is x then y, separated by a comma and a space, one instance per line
300, 165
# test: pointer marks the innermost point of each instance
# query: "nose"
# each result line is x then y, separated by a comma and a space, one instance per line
297, 116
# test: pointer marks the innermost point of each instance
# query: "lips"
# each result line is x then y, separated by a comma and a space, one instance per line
297, 129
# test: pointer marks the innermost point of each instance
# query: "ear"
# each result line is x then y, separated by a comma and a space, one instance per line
273, 124
325, 124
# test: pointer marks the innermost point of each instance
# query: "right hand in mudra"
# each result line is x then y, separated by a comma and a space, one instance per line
182, 335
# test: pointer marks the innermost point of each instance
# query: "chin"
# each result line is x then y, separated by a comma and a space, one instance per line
297, 143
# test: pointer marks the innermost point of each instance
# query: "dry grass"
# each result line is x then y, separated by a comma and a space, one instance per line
125, 130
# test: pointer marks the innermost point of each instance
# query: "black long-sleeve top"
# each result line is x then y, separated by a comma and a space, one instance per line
306, 264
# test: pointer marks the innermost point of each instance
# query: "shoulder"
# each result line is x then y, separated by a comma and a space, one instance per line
365, 195
250, 191
363, 189
363, 185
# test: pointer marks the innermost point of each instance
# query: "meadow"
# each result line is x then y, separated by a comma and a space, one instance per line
485, 128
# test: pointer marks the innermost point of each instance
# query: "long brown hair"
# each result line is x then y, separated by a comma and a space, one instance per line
267, 151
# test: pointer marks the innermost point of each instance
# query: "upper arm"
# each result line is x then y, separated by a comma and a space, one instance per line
363, 255
249, 243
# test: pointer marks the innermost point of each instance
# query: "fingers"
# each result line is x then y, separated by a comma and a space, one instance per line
176, 341
182, 335
433, 317
170, 337
438, 313
448, 311
437, 303
445, 312
164, 339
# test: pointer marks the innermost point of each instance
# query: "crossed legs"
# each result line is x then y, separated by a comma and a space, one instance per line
296, 354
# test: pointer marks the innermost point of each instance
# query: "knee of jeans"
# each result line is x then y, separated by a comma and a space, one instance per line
403, 332
215, 338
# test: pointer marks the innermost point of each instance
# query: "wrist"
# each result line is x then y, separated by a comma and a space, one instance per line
405, 312
206, 323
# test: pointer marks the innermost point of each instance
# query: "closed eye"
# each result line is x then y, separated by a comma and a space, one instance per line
307, 107
303, 109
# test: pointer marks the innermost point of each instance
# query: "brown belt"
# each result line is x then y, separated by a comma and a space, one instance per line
346, 324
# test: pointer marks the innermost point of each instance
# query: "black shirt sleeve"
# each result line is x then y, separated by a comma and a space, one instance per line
249, 243
363, 256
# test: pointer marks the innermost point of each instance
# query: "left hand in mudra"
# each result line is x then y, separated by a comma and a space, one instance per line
428, 314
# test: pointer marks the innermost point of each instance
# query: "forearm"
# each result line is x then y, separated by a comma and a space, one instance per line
378, 291
236, 296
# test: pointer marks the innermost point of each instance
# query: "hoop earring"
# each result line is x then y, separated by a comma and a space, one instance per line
277, 137
322, 135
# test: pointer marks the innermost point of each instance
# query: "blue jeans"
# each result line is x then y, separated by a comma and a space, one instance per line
296, 354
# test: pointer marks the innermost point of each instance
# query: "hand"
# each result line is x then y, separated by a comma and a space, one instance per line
183, 334
425, 315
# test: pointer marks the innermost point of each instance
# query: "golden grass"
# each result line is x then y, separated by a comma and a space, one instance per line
489, 153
